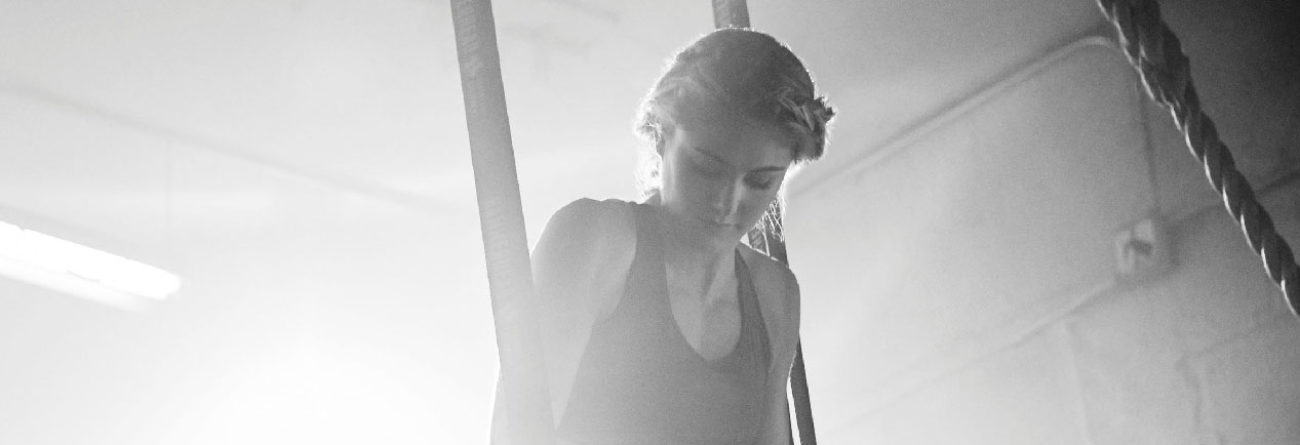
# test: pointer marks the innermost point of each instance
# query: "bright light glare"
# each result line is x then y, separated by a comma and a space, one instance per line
68, 267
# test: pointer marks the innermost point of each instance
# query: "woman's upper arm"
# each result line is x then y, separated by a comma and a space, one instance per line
579, 266
781, 312
779, 301
579, 253
790, 342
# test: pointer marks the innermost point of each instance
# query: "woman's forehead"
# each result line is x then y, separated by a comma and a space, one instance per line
742, 143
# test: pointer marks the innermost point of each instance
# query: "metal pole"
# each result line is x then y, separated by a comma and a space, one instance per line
501, 218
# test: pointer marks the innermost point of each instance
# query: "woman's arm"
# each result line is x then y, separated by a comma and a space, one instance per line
579, 266
785, 359
779, 300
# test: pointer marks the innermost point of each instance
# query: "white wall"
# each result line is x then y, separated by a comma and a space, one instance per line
960, 284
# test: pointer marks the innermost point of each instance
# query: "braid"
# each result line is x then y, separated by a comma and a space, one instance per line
807, 115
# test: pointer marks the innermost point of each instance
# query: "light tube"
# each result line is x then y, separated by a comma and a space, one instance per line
62, 265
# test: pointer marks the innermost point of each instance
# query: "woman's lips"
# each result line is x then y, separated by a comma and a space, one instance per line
700, 220
716, 223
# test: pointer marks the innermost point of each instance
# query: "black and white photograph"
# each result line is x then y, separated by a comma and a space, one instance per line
676, 222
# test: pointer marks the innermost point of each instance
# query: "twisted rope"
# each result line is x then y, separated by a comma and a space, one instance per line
505, 245
1154, 50
730, 14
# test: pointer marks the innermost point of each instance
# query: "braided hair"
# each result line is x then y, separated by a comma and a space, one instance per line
730, 73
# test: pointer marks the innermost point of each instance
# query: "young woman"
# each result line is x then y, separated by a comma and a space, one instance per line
660, 326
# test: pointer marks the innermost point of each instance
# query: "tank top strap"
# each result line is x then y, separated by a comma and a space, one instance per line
753, 350
647, 276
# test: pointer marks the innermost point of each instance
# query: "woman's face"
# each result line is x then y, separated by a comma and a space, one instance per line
718, 179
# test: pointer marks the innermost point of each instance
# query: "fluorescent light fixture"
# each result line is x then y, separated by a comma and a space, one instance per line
65, 266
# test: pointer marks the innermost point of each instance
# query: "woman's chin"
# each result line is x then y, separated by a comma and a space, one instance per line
703, 234
717, 237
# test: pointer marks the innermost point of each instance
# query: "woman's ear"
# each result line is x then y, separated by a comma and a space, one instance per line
661, 139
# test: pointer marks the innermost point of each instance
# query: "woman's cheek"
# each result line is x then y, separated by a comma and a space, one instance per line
702, 191
753, 208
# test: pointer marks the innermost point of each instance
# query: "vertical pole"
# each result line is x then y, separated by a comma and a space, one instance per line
501, 219
735, 13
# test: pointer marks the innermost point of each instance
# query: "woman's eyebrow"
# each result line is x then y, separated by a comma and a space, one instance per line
770, 168
705, 153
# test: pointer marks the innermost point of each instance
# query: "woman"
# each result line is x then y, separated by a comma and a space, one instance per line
660, 326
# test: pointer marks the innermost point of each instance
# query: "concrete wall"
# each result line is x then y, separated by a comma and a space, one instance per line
961, 285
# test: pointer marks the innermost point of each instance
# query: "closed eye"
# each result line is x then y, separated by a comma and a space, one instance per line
707, 168
760, 183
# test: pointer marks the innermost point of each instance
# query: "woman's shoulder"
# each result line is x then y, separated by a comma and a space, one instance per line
596, 208
587, 249
778, 297
587, 218
778, 290
769, 271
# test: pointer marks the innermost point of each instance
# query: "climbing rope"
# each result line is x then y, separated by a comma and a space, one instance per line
1155, 52
505, 245
730, 13
770, 239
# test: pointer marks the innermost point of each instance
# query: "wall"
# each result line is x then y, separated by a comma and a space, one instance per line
960, 282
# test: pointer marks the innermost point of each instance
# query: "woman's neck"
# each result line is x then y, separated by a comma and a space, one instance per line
699, 269
699, 263
684, 254
705, 274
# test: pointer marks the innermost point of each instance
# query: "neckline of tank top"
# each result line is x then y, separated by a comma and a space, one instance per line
741, 285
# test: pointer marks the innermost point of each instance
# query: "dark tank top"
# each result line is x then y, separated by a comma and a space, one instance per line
640, 382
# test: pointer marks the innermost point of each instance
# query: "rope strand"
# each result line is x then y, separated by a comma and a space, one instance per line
1156, 53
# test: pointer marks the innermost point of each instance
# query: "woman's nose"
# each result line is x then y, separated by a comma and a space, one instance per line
726, 201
